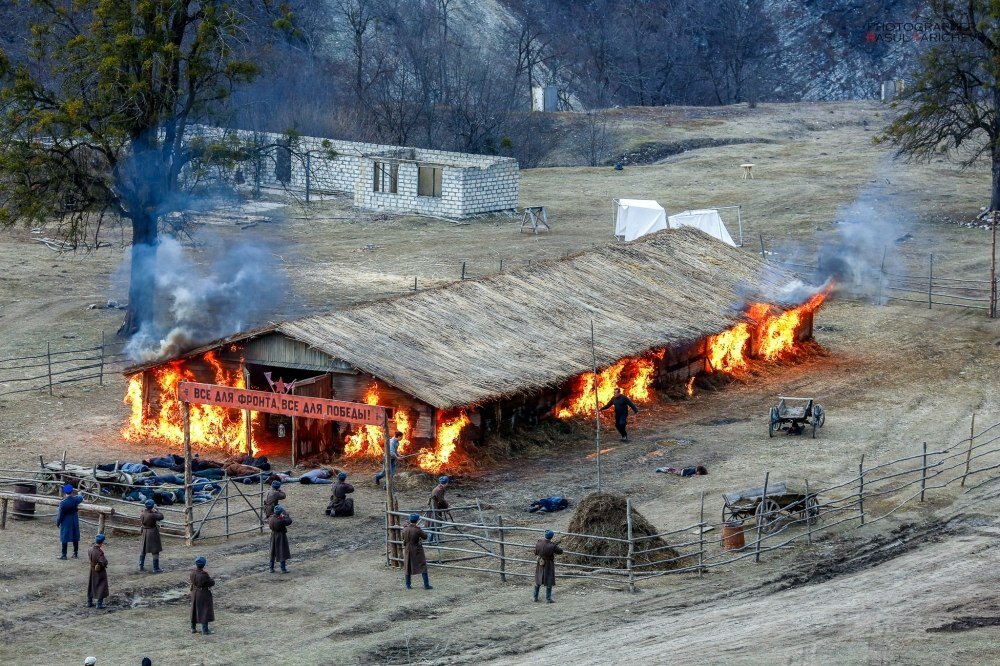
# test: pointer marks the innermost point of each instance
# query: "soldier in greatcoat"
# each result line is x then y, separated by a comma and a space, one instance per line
151, 543
279, 522
68, 521
545, 568
202, 607
414, 561
341, 505
97, 582
274, 495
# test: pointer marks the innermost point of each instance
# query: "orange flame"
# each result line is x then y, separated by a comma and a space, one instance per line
690, 387
726, 350
445, 452
211, 426
633, 375
367, 440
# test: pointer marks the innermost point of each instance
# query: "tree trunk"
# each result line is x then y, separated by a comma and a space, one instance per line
142, 281
995, 192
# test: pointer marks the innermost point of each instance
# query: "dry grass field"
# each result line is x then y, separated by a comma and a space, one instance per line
890, 377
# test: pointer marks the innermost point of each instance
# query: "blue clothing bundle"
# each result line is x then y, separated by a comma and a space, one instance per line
68, 519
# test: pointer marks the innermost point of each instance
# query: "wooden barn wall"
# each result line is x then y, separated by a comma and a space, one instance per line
313, 435
353, 388
275, 349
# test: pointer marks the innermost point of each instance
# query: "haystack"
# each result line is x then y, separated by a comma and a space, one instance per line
604, 515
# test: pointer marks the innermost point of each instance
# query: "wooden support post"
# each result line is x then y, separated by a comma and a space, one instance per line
3, 514
993, 268
762, 248
631, 545
762, 518
701, 537
463, 270
930, 284
414, 283
226, 490
247, 420
597, 405
188, 502
501, 265
503, 554
260, 500
861, 489
968, 454
390, 501
48, 356
295, 443
100, 372
64, 459
923, 474
308, 173
101, 522
809, 518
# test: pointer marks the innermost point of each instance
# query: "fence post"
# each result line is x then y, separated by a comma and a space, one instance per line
930, 284
701, 537
762, 248
48, 356
809, 521
763, 515
631, 545
923, 474
100, 373
861, 489
260, 516
188, 500
227, 508
463, 270
501, 265
414, 283
308, 169
503, 554
968, 454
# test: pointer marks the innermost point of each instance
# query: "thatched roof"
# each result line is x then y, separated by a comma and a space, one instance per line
476, 340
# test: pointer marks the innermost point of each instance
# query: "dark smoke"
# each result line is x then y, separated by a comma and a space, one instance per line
239, 288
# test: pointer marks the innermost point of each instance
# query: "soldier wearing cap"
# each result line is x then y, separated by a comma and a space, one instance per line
150, 536
68, 521
202, 606
341, 505
545, 567
97, 582
279, 522
414, 561
275, 495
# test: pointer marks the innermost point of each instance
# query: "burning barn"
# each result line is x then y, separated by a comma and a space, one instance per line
456, 363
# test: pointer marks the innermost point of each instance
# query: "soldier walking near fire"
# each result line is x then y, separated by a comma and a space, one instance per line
202, 606
150, 536
414, 561
97, 581
545, 567
68, 521
621, 404
274, 495
279, 522
439, 507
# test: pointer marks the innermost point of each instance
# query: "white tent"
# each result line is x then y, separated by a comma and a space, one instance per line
638, 217
707, 220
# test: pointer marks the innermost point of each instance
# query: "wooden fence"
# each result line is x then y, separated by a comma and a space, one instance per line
41, 371
493, 546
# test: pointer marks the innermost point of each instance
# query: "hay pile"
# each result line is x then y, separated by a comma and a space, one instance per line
603, 514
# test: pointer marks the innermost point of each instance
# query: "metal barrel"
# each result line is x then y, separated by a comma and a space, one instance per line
24, 510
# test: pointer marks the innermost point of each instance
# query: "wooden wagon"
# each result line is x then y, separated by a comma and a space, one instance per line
767, 511
55, 474
797, 413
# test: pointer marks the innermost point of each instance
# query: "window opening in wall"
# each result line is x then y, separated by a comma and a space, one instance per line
429, 181
385, 177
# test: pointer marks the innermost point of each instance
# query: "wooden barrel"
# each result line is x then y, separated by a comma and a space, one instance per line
732, 536
24, 510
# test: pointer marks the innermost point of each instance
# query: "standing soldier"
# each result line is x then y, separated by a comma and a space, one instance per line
545, 568
341, 505
393, 455
202, 607
414, 561
274, 495
97, 582
622, 404
68, 521
279, 522
150, 536
439, 506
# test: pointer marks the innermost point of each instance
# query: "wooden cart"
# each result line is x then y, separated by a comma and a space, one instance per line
57, 473
767, 511
797, 413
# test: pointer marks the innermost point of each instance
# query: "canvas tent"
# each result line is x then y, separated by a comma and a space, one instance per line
638, 217
708, 220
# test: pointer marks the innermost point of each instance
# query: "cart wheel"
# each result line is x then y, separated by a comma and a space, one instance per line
48, 483
767, 515
773, 421
819, 415
90, 487
811, 512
